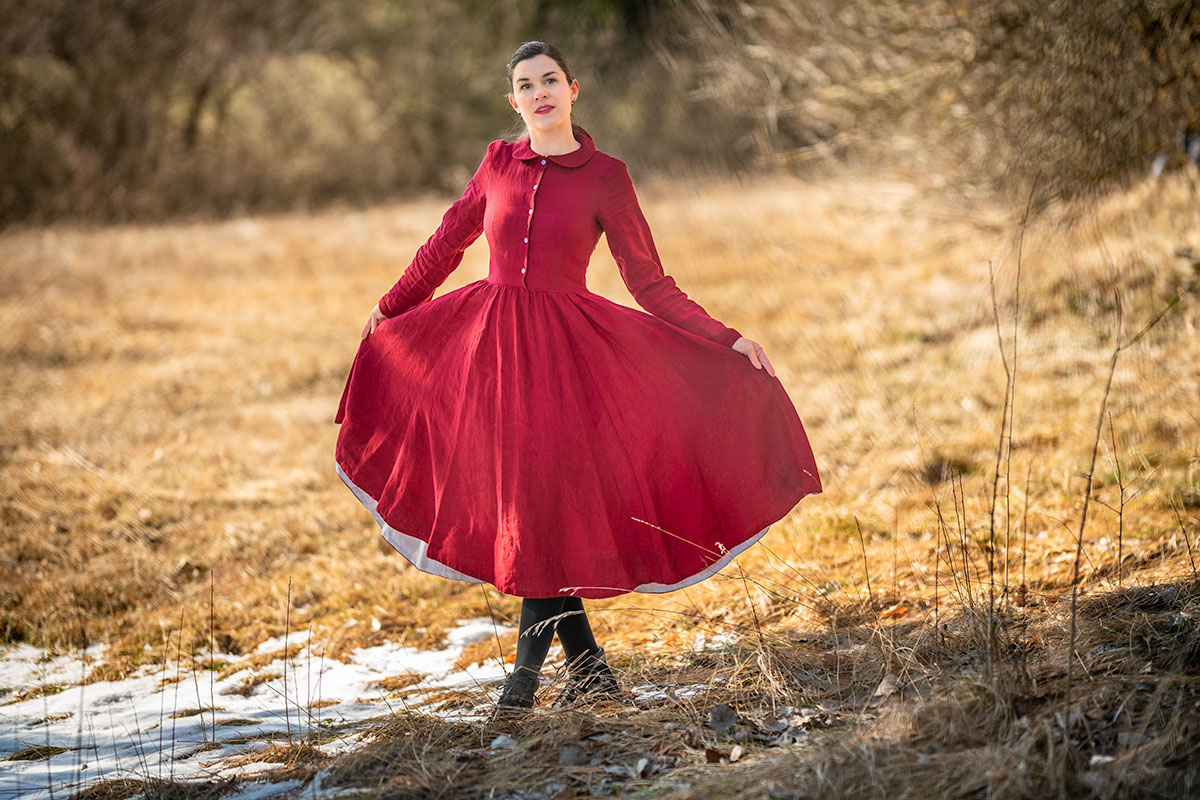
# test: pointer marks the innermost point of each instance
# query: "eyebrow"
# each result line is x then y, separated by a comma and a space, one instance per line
544, 75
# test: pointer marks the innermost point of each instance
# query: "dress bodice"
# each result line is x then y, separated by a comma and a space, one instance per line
542, 217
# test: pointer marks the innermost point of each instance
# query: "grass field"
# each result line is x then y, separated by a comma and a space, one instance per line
166, 455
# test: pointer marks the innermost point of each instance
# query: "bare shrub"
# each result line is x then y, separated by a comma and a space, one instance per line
994, 91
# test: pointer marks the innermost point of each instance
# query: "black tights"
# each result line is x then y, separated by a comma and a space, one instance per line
574, 630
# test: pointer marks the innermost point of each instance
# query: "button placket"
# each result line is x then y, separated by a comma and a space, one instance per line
529, 221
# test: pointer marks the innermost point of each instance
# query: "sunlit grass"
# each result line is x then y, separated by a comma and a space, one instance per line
166, 428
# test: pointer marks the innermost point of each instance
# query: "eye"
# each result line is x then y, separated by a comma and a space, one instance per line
551, 80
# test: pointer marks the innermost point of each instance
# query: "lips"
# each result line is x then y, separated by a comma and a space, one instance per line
543, 109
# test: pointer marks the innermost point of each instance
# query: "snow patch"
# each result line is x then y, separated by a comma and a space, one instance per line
648, 692
179, 723
281, 642
24, 666
716, 640
261, 791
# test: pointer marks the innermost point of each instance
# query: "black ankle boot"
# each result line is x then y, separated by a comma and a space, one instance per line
589, 678
518, 692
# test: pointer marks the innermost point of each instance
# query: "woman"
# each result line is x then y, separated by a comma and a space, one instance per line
525, 432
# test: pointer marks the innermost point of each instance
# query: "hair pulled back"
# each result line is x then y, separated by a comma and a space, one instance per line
531, 49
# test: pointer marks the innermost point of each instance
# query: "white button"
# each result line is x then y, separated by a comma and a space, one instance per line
543, 161
535, 186
522, 270
531, 211
526, 240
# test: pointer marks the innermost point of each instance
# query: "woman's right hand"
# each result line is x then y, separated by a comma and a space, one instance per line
753, 351
373, 321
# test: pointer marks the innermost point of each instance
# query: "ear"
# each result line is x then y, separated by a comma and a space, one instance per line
574, 90
513, 102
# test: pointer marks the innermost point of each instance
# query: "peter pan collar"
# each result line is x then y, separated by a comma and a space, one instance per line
575, 158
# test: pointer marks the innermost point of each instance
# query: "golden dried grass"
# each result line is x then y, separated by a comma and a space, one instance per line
170, 395
168, 422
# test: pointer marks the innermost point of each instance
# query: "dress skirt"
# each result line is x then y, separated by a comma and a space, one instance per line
557, 443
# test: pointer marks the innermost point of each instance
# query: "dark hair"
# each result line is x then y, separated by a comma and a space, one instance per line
531, 49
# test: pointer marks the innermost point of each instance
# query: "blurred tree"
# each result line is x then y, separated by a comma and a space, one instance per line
1084, 93
121, 109
435, 73
92, 92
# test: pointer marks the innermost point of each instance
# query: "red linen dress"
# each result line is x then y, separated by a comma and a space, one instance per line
528, 433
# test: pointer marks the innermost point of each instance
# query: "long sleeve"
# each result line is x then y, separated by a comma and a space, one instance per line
632, 246
443, 251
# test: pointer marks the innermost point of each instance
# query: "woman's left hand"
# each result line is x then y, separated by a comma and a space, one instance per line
753, 351
373, 321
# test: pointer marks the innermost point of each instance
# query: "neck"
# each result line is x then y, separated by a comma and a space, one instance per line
557, 141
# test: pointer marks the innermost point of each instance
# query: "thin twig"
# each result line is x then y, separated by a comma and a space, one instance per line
1121, 344
1186, 541
1000, 448
866, 569
750, 602
937, 545
960, 511
178, 680
1013, 379
287, 624
1116, 460
212, 649
199, 702
1025, 533
1087, 497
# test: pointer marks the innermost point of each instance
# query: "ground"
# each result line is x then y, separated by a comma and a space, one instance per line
170, 505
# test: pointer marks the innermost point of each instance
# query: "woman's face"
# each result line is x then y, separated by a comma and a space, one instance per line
541, 94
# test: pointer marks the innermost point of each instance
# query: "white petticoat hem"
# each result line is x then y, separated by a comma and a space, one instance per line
414, 550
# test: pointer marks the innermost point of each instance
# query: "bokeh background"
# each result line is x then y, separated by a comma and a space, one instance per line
121, 110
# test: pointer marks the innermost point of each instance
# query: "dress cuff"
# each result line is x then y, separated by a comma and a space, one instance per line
383, 306
729, 337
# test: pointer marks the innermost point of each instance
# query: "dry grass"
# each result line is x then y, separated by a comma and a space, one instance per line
167, 423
